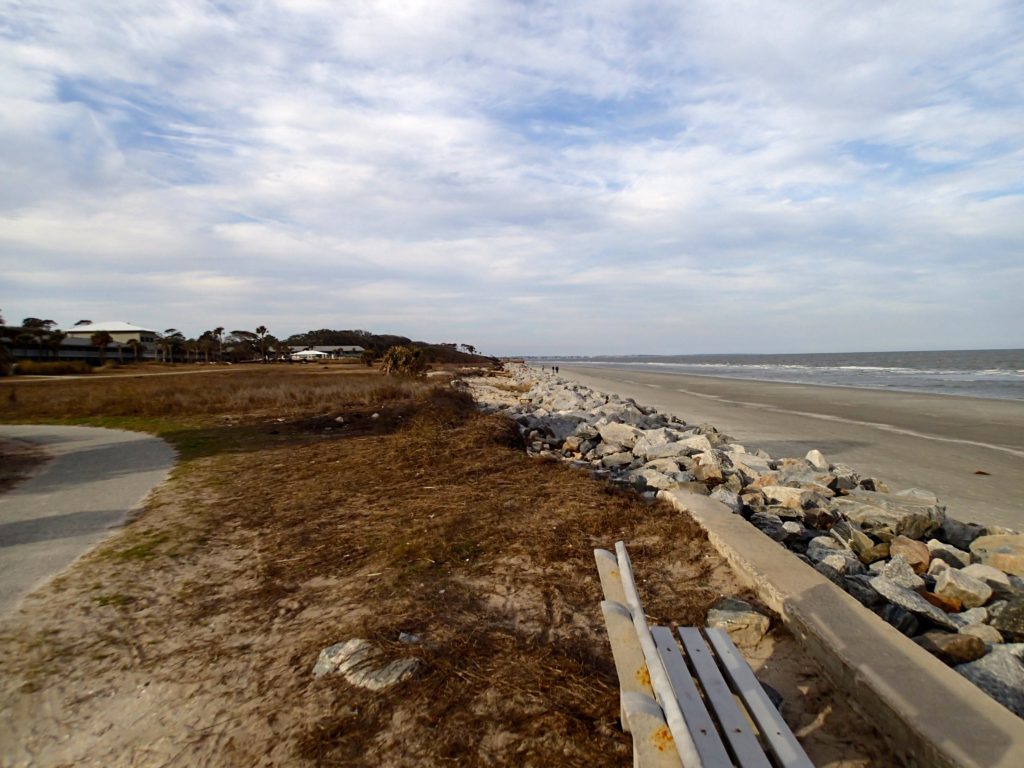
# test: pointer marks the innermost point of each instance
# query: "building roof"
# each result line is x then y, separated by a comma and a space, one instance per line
296, 348
310, 353
110, 326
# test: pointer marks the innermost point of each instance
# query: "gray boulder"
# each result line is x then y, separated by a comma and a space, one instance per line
621, 436
1000, 673
900, 572
887, 515
913, 602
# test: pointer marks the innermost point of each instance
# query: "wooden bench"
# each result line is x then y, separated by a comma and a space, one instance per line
695, 707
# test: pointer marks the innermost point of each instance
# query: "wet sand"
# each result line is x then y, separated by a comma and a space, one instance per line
908, 440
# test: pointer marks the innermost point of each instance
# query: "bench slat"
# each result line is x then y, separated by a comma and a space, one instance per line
781, 741
698, 719
663, 692
735, 727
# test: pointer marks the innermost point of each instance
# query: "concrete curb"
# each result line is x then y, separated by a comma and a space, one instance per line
929, 713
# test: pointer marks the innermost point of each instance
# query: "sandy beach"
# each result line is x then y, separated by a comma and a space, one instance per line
929, 441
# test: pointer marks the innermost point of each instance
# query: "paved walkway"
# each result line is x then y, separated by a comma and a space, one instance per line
97, 476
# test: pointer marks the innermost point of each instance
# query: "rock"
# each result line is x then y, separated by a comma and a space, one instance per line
960, 534
1008, 617
999, 581
948, 604
859, 587
977, 615
948, 553
819, 519
845, 478
935, 567
839, 565
985, 633
745, 625
911, 601
558, 428
652, 438
950, 648
1001, 675
617, 460
873, 484
875, 553
954, 584
794, 498
729, 498
707, 468
750, 466
915, 553
900, 572
667, 466
850, 536
821, 546
817, 459
1002, 551
651, 478
900, 618
770, 525
620, 436
753, 499
566, 400
354, 659
886, 515
572, 443
691, 446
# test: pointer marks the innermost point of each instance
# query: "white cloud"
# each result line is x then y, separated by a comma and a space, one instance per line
526, 177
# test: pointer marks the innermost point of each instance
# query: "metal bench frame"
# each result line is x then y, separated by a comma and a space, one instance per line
695, 707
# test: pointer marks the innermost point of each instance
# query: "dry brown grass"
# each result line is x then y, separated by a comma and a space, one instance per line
200, 622
245, 392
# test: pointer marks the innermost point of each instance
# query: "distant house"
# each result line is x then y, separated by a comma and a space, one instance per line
309, 354
323, 353
119, 332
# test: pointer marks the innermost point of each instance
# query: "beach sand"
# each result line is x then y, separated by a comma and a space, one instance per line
935, 442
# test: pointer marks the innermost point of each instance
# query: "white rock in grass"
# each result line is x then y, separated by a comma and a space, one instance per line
354, 659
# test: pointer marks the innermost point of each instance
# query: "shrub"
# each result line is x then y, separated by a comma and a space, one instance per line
403, 361
68, 368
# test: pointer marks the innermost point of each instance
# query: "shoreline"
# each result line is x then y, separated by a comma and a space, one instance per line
755, 380
933, 441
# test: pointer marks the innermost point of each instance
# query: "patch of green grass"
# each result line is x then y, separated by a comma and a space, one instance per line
144, 550
118, 601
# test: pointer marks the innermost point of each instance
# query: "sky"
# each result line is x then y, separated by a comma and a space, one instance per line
599, 177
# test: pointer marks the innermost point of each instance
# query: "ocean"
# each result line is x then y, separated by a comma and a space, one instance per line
988, 373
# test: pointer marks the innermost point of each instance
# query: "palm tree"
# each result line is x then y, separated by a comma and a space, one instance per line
101, 339
135, 345
261, 334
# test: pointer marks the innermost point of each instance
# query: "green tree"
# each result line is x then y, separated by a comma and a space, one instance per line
102, 340
368, 357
